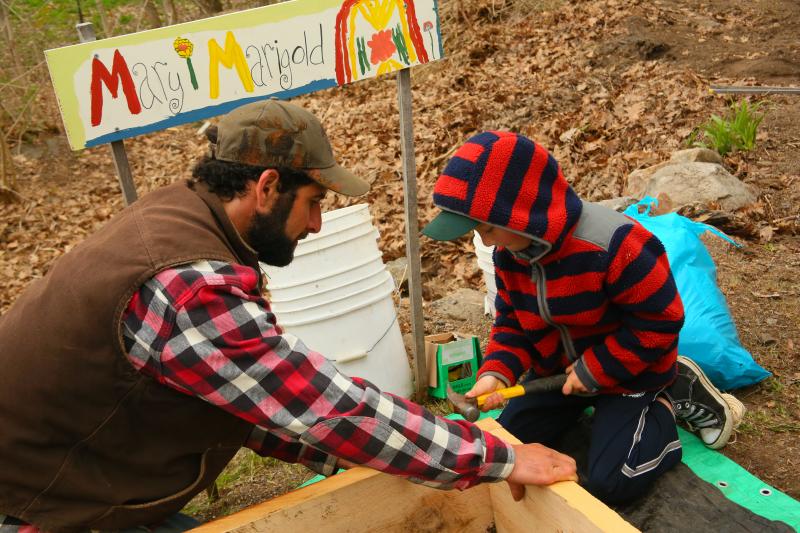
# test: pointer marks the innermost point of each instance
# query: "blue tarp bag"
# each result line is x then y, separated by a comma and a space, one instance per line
709, 335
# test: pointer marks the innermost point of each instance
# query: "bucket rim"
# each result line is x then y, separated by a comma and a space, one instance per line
345, 310
370, 259
337, 287
336, 214
326, 241
344, 211
348, 296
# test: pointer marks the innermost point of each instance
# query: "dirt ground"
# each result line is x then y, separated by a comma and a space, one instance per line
609, 86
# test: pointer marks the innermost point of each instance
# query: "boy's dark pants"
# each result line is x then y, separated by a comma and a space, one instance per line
633, 441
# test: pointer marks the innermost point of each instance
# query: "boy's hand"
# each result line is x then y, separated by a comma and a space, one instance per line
539, 465
574, 384
485, 385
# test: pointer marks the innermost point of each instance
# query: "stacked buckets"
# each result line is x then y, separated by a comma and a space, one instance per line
336, 296
486, 264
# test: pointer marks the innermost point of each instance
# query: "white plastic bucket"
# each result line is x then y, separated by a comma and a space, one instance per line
336, 296
486, 264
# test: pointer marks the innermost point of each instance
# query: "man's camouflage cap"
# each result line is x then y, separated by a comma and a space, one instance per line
272, 133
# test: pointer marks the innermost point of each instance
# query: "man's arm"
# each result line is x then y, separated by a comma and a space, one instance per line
219, 341
270, 444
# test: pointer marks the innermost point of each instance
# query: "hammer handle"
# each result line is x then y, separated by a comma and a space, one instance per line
535, 386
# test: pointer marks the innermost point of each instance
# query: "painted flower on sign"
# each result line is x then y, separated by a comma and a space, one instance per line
184, 47
428, 28
382, 47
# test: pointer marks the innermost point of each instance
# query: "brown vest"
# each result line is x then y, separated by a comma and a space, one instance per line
85, 440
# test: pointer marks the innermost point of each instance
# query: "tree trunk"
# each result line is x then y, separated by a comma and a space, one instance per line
170, 11
104, 26
211, 7
151, 14
7, 171
8, 34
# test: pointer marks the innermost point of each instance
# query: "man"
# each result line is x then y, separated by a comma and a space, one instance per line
581, 290
134, 371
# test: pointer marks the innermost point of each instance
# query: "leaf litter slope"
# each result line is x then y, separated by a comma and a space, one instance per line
608, 86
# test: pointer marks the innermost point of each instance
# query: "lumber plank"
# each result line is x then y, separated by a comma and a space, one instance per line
364, 500
562, 506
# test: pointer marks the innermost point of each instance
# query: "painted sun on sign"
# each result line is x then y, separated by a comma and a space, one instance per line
132, 84
388, 28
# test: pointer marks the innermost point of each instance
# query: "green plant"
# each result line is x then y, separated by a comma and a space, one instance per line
746, 119
737, 131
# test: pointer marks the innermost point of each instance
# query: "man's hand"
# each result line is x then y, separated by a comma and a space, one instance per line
485, 385
573, 384
539, 465
344, 463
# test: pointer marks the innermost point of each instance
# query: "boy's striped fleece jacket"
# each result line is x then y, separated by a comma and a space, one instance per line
593, 289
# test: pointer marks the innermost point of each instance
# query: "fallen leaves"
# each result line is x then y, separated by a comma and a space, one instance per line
558, 72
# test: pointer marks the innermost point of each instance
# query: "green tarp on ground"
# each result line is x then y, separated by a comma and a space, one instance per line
737, 484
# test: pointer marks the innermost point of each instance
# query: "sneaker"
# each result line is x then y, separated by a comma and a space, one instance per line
708, 413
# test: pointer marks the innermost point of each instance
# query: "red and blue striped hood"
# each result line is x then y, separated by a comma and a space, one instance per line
507, 180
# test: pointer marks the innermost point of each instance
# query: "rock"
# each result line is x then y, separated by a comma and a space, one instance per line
464, 305
618, 204
688, 183
637, 180
410, 345
696, 155
706, 24
766, 339
399, 271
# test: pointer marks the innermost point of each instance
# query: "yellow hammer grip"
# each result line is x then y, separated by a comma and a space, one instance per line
507, 394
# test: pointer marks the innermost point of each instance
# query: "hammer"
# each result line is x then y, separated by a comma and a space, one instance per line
469, 407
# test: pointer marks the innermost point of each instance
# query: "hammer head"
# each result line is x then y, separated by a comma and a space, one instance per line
466, 407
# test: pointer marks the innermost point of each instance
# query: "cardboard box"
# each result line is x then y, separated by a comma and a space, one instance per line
452, 358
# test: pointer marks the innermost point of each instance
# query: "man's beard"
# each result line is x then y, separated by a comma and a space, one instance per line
267, 233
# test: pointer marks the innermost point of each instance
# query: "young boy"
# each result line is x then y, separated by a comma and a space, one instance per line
581, 290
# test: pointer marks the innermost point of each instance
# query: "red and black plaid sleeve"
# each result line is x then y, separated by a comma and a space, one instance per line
204, 330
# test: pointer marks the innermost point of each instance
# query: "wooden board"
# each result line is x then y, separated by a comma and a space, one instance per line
560, 507
366, 500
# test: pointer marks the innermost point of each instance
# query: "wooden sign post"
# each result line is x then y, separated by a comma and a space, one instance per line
86, 34
412, 232
124, 86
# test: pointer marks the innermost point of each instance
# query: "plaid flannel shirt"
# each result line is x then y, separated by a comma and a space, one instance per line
204, 329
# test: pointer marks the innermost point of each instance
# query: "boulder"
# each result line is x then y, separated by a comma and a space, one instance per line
638, 179
399, 271
463, 305
691, 182
696, 155
620, 203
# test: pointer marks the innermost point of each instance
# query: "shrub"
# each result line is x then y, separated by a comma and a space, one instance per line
737, 131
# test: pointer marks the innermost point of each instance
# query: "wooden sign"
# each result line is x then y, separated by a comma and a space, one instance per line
124, 86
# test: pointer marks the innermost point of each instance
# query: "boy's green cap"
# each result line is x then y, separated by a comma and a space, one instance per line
447, 226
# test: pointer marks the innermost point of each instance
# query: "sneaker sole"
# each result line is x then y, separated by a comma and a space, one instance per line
727, 428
